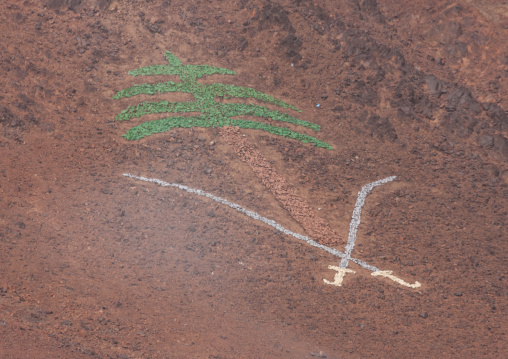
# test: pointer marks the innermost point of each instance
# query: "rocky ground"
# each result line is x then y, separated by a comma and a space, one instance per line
97, 265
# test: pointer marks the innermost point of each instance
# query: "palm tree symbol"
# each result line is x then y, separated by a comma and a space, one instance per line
213, 114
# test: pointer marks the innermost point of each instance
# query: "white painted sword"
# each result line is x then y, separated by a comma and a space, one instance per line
353, 230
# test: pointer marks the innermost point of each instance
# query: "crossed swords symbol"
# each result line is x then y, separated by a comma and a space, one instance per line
343, 269
345, 256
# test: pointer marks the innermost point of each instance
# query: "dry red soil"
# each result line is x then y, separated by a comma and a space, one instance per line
97, 265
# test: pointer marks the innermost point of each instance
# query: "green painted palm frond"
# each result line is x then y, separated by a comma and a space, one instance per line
244, 109
196, 70
226, 91
213, 113
231, 109
145, 108
175, 67
201, 92
155, 70
166, 124
149, 89
281, 131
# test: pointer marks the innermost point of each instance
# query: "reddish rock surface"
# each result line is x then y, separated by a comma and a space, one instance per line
96, 265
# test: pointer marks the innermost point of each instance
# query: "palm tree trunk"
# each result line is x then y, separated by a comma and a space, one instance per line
315, 227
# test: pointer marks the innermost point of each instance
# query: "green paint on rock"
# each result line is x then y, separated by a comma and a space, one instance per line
213, 114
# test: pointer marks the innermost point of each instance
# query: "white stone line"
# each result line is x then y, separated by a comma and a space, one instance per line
363, 264
355, 220
388, 274
255, 216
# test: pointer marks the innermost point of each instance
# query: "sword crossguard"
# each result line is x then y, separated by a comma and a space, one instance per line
339, 276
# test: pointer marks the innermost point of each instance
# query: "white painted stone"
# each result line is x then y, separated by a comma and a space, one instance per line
356, 218
339, 276
388, 274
